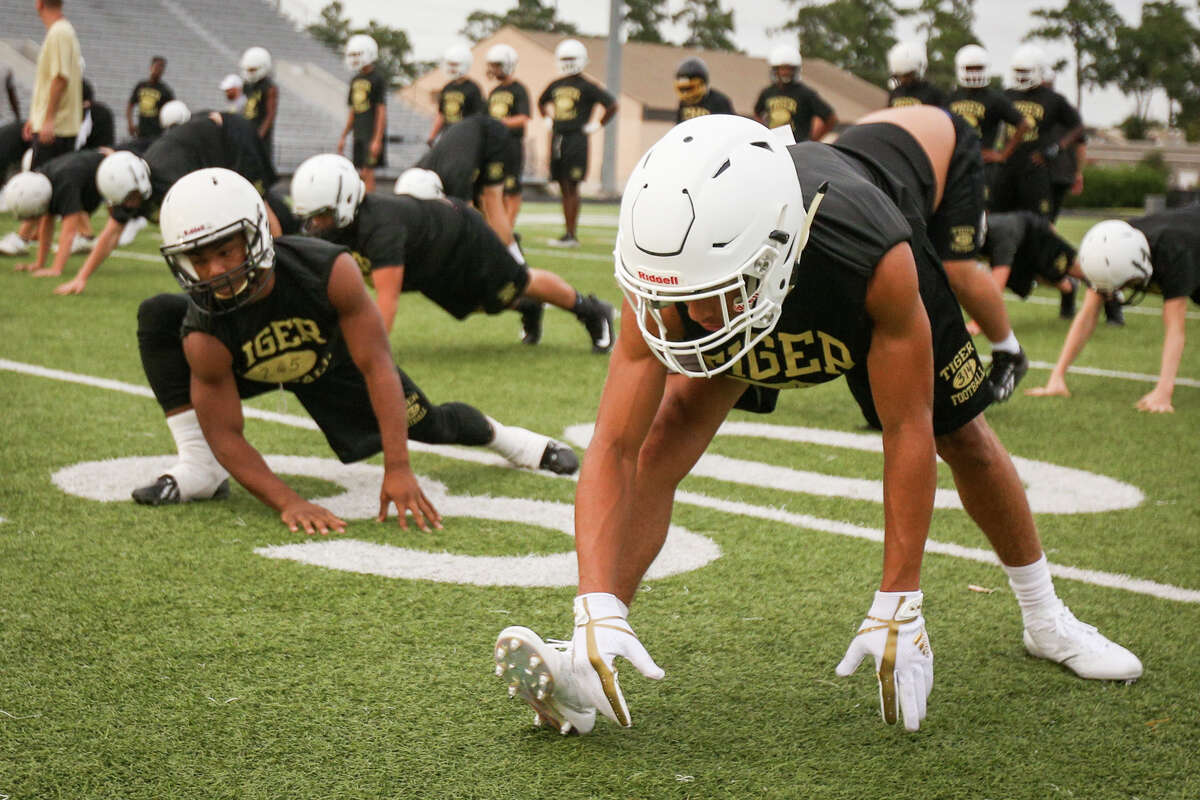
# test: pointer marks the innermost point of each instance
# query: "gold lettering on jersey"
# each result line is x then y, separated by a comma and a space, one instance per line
972, 111
148, 102
364, 264
793, 355
566, 98
780, 110
507, 293
965, 374
1034, 114
452, 105
283, 368
962, 238
495, 170
416, 412
836, 355
901, 102
280, 336
784, 359
251, 109
500, 104
964, 354
360, 95
1060, 264
691, 112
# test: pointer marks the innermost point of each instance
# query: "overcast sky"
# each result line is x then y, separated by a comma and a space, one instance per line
433, 25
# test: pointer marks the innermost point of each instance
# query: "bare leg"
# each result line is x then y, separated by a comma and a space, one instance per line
570, 204
550, 288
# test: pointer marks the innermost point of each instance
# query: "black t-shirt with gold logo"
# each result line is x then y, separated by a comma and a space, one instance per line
574, 97
713, 102
368, 90
984, 109
509, 100
459, 99
792, 104
148, 99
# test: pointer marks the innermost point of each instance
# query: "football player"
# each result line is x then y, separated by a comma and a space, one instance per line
261, 96
907, 85
509, 102
134, 187
788, 297
458, 99
567, 105
1023, 248
368, 109
1122, 261
696, 97
985, 109
789, 101
148, 98
260, 313
1024, 182
66, 187
439, 247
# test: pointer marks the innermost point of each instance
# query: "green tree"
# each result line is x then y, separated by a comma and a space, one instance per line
852, 34
1090, 27
528, 15
395, 51
947, 27
333, 28
1167, 32
708, 26
643, 18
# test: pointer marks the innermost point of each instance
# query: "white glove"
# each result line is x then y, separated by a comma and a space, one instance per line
591, 127
601, 634
894, 633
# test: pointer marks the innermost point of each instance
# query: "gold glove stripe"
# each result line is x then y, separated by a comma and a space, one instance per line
608, 677
887, 674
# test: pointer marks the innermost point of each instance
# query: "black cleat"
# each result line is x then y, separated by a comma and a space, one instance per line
165, 492
1066, 302
531, 312
1007, 371
559, 459
597, 316
1114, 314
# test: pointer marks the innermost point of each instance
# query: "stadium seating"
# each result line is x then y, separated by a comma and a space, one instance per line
202, 41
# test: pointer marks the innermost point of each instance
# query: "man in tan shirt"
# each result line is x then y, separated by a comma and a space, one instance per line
57, 110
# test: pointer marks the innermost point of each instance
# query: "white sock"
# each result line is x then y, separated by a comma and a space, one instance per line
521, 447
197, 473
514, 249
1034, 589
1008, 345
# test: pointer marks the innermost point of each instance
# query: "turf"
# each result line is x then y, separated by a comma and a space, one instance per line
151, 653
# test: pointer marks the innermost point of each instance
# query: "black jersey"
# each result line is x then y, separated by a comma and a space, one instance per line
1174, 238
792, 104
73, 182
459, 99
469, 156
292, 334
148, 99
368, 91
197, 144
12, 146
984, 109
256, 104
104, 132
509, 100
1047, 110
713, 102
573, 98
919, 92
1028, 244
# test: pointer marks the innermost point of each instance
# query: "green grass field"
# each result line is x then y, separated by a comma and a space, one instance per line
153, 653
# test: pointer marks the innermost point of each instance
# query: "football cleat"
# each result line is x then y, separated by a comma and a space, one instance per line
566, 240
539, 673
82, 244
1079, 647
531, 319
597, 316
13, 245
1007, 371
131, 230
1114, 313
559, 459
165, 492
1066, 302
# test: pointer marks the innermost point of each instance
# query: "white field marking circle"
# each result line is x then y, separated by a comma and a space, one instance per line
1051, 489
684, 551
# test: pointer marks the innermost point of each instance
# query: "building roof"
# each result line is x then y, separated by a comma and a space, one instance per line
648, 71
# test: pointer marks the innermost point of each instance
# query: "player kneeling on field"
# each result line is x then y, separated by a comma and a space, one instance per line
734, 291
261, 313
439, 246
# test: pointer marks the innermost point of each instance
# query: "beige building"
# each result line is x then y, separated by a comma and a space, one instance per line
647, 99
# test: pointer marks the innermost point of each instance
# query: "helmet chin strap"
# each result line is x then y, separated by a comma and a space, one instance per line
812, 214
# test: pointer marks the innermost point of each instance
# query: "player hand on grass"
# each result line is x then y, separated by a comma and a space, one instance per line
602, 633
311, 517
400, 487
1055, 387
1156, 402
894, 635
74, 286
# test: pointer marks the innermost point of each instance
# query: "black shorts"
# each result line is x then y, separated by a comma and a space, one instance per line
1043, 254
490, 279
514, 165
569, 157
1023, 186
362, 154
12, 147
48, 152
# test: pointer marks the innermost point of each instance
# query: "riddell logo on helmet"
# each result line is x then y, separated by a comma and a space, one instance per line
197, 229
661, 280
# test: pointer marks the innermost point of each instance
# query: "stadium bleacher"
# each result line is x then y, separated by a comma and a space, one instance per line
202, 41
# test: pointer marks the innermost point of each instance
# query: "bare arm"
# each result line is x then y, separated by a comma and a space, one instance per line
57, 87
66, 236
345, 131
1012, 142
1081, 330
106, 242
45, 231
1174, 315
609, 113
129, 119
367, 340
438, 122
377, 134
900, 364
491, 205
389, 282
820, 127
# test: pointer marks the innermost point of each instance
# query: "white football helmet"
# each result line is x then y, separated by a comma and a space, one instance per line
255, 64
504, 57
327, 184
456, 61
173, 113
120, 174
784, 55
907, 58
204, 207
1025, 68
361, 50
423, 184
571, 56
27, 195
1114, 255
971, 65
713, 208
